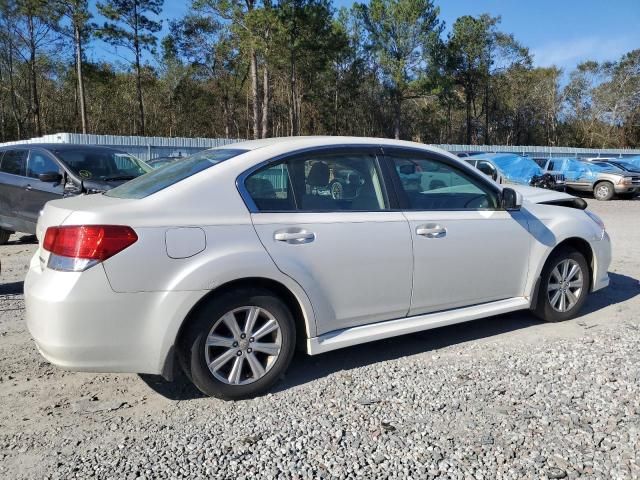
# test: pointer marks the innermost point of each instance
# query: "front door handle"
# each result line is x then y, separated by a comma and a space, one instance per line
431, 230
294, 237
28, 187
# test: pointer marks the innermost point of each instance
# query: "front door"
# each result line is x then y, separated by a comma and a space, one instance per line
324, 219
37, 193
467, 250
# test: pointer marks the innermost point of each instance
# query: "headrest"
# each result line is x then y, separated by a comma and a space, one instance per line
318, 175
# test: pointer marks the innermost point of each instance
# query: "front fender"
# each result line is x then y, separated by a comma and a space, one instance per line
552, 225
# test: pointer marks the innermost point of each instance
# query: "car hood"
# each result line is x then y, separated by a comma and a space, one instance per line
540, 195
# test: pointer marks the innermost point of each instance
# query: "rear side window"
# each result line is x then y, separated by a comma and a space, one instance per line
270, 188
177, 171
40, 163
14, 162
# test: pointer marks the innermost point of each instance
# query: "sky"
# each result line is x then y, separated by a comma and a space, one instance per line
557, 32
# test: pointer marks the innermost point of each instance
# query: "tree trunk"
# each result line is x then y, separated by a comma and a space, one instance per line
397, 112
83, 109
254, 94
136, 45
12, 92
265, 100
33, 75
467, 101
486, 112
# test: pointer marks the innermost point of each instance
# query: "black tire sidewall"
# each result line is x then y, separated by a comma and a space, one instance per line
544, 309
192, 349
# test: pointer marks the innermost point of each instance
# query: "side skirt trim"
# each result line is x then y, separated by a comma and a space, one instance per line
391, 328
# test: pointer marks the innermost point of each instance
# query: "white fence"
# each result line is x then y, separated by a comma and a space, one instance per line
147, 148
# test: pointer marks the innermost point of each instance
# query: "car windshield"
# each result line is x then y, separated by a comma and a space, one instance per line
173, 173
102, 164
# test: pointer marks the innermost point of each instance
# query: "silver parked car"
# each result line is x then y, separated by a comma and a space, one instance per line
604, 181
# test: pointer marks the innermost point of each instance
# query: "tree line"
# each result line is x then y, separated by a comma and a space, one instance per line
261, 68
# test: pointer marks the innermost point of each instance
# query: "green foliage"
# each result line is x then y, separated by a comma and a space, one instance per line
245, 68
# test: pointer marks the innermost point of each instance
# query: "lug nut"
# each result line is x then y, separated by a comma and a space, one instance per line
251, 339
235, 344
239, 352
249, 350
243, 336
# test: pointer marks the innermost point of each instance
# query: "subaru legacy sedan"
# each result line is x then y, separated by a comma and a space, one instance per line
32, 174
222, 264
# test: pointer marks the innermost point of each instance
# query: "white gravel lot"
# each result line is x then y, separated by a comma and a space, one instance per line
504, 397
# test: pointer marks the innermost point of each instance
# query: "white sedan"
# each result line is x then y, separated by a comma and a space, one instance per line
223, 263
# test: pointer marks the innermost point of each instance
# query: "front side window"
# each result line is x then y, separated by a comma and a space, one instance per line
434, 185
40, 163
14, 162
319, 182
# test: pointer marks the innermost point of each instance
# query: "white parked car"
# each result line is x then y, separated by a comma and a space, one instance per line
226, 261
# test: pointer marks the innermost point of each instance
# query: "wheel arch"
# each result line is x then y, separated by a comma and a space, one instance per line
302, 318
575, 243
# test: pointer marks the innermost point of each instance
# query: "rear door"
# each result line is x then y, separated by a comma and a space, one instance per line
325, 218
14, 182
37, 192
466, 249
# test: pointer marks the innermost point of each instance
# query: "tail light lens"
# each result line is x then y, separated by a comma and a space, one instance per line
77, 247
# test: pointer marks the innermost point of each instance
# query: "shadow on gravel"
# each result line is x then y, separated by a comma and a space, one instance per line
13, 288
305, 368
621, 288
24, 240
179, 389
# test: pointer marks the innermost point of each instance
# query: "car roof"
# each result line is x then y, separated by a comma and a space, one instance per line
319, 140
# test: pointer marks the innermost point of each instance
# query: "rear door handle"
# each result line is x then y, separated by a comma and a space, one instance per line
28, 187
431, 230
294, 237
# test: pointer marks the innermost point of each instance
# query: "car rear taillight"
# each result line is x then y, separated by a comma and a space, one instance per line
77, 247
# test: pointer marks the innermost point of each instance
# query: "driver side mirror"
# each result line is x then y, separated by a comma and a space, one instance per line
511, 200
50, 177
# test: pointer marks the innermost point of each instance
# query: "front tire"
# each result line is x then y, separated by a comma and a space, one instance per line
603, 191
564, 286
238, 344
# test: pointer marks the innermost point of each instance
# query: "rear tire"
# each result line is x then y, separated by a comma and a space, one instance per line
4, 236
603, 191
224, 351
564, 286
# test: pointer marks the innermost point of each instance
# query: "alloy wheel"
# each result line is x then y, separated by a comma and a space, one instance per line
565, 285
243, 345
336, 191
602, 191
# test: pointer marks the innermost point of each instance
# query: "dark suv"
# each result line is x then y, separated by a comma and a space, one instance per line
33, 174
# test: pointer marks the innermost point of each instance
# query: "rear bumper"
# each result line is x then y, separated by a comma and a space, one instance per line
79, 323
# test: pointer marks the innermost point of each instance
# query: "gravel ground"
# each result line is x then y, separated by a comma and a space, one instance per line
505, 397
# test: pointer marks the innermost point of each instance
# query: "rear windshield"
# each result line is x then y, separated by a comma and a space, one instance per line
102, 164
168, 175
